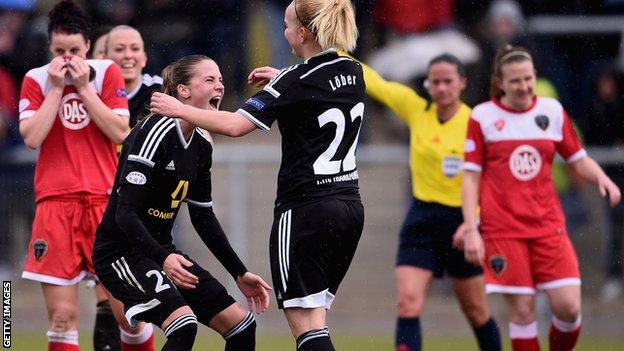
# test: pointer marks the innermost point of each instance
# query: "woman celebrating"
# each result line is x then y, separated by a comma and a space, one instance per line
319, 108
511, 143
75, 111
437, 131
163, 163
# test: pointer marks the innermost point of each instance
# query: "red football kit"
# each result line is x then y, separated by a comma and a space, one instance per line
522, 221
73, 177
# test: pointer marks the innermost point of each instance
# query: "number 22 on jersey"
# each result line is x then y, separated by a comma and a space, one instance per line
324, 165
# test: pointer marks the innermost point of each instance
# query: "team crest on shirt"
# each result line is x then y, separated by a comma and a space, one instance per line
498, 264
499, 125
40, 248
525, 162
542, 121
73, 113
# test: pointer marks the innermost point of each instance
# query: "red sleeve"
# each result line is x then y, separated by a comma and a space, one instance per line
31, 98
114, 94
570, 147
474, 147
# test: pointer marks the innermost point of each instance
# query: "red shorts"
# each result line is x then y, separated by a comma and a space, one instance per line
62, 239
520, 266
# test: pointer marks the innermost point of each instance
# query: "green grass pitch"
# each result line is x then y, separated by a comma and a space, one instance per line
34, 341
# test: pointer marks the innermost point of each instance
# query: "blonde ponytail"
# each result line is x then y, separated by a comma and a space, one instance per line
332, 21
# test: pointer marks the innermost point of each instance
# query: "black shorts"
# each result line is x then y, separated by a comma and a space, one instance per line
148, 295
426, 241
311, 248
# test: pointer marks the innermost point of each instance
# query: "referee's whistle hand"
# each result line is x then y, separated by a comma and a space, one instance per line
174, 268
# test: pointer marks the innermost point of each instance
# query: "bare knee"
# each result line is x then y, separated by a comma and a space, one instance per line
522, 309
567, 311
410, 305
63, 318
477, 314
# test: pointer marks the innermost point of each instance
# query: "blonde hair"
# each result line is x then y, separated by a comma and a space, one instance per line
331, 21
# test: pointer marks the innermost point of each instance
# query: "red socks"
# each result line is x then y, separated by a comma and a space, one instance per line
63, 341
524, 337
143, 341
563, 335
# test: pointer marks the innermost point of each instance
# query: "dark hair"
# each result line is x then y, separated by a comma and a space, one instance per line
506, 54
180, 72
448, 58
68, 18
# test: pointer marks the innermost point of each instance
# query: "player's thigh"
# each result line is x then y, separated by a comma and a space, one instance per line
140, 284
209, 297
412, 284
61, 300
301, 320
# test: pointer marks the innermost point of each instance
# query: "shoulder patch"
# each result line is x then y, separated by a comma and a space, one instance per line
137, 178
23, 104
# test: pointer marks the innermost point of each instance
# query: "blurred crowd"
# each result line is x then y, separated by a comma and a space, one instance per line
397, 38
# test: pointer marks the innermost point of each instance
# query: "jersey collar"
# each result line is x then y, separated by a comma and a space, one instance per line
498, 103
183, 141
328, 51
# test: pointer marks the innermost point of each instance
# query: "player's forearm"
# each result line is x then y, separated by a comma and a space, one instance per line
36, 128
114, 126
588, 169
210, 231
220, 122
470, 198
128, 220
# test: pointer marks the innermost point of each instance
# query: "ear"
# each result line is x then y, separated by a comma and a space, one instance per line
183, 91
303, 34
88, 45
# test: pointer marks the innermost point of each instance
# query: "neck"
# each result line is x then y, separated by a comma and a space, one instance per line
187, 128
311, 50
447, 112
132, 84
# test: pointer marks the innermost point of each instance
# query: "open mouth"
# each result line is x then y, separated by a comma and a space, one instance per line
215, 102
128, 65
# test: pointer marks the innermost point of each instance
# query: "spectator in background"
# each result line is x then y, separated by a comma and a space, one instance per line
425, 29
606, 129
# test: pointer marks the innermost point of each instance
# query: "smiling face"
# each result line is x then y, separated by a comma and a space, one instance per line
205, 88
445, 84
126, 48
63, 44
517, 81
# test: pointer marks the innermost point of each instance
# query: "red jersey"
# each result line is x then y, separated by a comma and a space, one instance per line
75, 157
514, 151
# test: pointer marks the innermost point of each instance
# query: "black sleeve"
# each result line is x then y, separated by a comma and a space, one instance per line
127, 218
134, 186
264, 107
207, 226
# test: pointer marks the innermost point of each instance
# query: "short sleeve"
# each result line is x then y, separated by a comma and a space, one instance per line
570, 147
114, 94
263, 108
31, 98
474, 147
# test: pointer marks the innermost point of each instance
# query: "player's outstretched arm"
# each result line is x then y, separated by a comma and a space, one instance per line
220, 122
261, 76
400, 98
589, 170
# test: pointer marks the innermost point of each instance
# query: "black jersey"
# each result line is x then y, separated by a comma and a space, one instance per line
139, 98
158, 170
319, 106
